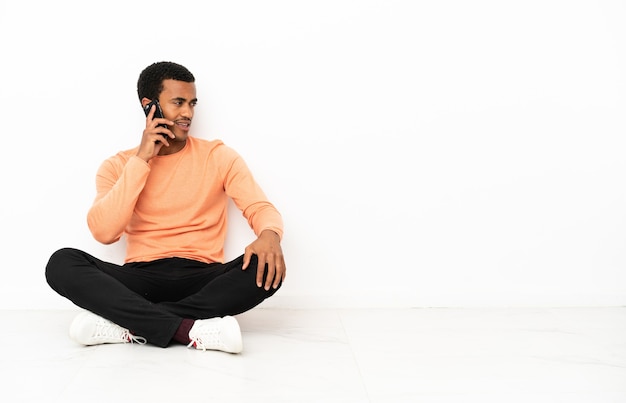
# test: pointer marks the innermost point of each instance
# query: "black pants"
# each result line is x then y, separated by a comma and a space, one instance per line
151, 298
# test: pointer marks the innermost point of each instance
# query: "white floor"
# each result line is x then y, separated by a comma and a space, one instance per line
414, 355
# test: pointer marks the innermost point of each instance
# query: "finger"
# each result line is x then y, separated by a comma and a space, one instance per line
151, 123
260, 270
271, 272
160, 139
164, 132
280, 273
246, 258
163, 126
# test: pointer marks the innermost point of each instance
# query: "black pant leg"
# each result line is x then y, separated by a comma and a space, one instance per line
231, 292
99, 287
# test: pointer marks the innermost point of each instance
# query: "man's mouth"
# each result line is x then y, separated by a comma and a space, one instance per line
183, 124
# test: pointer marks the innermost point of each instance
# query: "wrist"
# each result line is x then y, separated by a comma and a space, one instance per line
146, 158
270, 233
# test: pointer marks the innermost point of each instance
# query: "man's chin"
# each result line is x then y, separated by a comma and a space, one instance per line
180, 136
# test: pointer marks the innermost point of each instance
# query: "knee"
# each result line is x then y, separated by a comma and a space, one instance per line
251, 274
59, 263
272, 290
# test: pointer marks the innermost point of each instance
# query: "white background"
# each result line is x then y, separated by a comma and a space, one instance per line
422, 153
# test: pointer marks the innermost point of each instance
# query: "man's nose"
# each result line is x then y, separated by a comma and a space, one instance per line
187, 111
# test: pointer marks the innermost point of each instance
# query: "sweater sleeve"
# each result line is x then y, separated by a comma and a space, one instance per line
118, 187
248, 196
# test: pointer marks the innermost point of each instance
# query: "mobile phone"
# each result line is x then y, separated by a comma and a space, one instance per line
158, 113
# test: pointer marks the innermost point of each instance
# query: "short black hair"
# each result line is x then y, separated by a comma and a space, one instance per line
150, 82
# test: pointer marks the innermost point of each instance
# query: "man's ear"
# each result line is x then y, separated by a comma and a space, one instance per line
145, 101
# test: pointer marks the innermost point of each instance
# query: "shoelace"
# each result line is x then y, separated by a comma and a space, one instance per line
136, 339
109, 330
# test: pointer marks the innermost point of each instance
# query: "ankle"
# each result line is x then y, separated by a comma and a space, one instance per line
182, 333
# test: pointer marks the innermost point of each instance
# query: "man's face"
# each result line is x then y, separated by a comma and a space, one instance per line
178, 100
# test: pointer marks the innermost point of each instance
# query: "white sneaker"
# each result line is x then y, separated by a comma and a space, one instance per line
216, 334
90, 329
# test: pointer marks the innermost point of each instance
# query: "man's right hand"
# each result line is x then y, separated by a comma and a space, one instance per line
154, 136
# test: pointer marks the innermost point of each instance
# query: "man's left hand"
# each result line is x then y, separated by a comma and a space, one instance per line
268, 251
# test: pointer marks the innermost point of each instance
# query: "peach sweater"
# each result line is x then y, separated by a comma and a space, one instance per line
176, 205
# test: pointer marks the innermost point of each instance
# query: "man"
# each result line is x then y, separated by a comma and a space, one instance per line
168, 197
